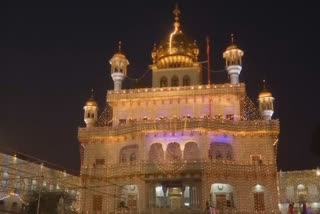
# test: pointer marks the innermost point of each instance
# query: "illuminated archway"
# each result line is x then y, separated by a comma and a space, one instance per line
191, 151
173, 152
156, 152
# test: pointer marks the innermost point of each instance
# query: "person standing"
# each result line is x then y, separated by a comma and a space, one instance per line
291, 206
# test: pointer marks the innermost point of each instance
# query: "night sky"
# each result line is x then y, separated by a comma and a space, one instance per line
52, 54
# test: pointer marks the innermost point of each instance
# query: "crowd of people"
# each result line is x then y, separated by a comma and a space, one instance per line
302, 208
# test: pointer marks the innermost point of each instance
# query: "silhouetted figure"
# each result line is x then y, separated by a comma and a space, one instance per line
304, 208
291, 208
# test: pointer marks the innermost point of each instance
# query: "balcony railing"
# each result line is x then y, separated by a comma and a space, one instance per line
177, 124
228, 168
165, 92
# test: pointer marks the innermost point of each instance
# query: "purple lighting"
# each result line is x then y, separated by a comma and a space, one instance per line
221, 138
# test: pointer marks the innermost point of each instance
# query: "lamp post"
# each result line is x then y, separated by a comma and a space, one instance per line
39, 196
38, 205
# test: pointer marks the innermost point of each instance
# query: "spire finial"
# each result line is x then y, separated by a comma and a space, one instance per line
154, 46
264, 85
119, 46
176, 13
92, 93
232, 38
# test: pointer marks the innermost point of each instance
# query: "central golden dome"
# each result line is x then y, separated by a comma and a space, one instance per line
177, 51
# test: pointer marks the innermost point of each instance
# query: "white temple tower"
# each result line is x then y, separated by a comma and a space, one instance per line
233, 57
91, 112
119, 64
265, 103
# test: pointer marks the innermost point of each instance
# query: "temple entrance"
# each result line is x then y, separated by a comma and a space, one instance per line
221, 196
174, 195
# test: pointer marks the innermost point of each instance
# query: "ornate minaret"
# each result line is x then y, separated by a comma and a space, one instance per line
119, 65
91, 112
233, 56
265, 103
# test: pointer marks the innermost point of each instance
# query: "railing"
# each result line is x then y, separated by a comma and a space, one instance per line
166, 92
177, 124
218, 167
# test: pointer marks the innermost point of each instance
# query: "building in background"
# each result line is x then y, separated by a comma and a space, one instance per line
25, 179
183, 144
299, 188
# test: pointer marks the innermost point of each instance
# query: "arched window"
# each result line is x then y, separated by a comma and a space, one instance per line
186, 80
174, 81
128, 152
163, 82
191, 151
219, 150
173, 152
156, 152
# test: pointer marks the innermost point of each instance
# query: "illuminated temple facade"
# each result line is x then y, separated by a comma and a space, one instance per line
182, 144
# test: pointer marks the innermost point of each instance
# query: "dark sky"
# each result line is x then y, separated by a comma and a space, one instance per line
52, 54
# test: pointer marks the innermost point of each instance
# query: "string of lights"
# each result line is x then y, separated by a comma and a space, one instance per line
139, 78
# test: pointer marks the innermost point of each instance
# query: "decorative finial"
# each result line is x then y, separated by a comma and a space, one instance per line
264, 85
92, 93
119, 46
232, 38
176, 13
154, 46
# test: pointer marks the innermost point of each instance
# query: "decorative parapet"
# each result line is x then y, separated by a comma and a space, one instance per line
238, 127
169, 92
209, 167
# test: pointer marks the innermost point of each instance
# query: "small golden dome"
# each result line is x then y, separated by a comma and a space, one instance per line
264, 94
119, 54
91, 102
232, 47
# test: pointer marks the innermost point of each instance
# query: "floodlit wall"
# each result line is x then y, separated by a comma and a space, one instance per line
21, 177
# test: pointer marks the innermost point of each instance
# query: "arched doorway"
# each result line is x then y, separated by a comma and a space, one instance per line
221, 196
258, 197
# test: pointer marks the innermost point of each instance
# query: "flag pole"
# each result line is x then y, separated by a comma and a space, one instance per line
208, 60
